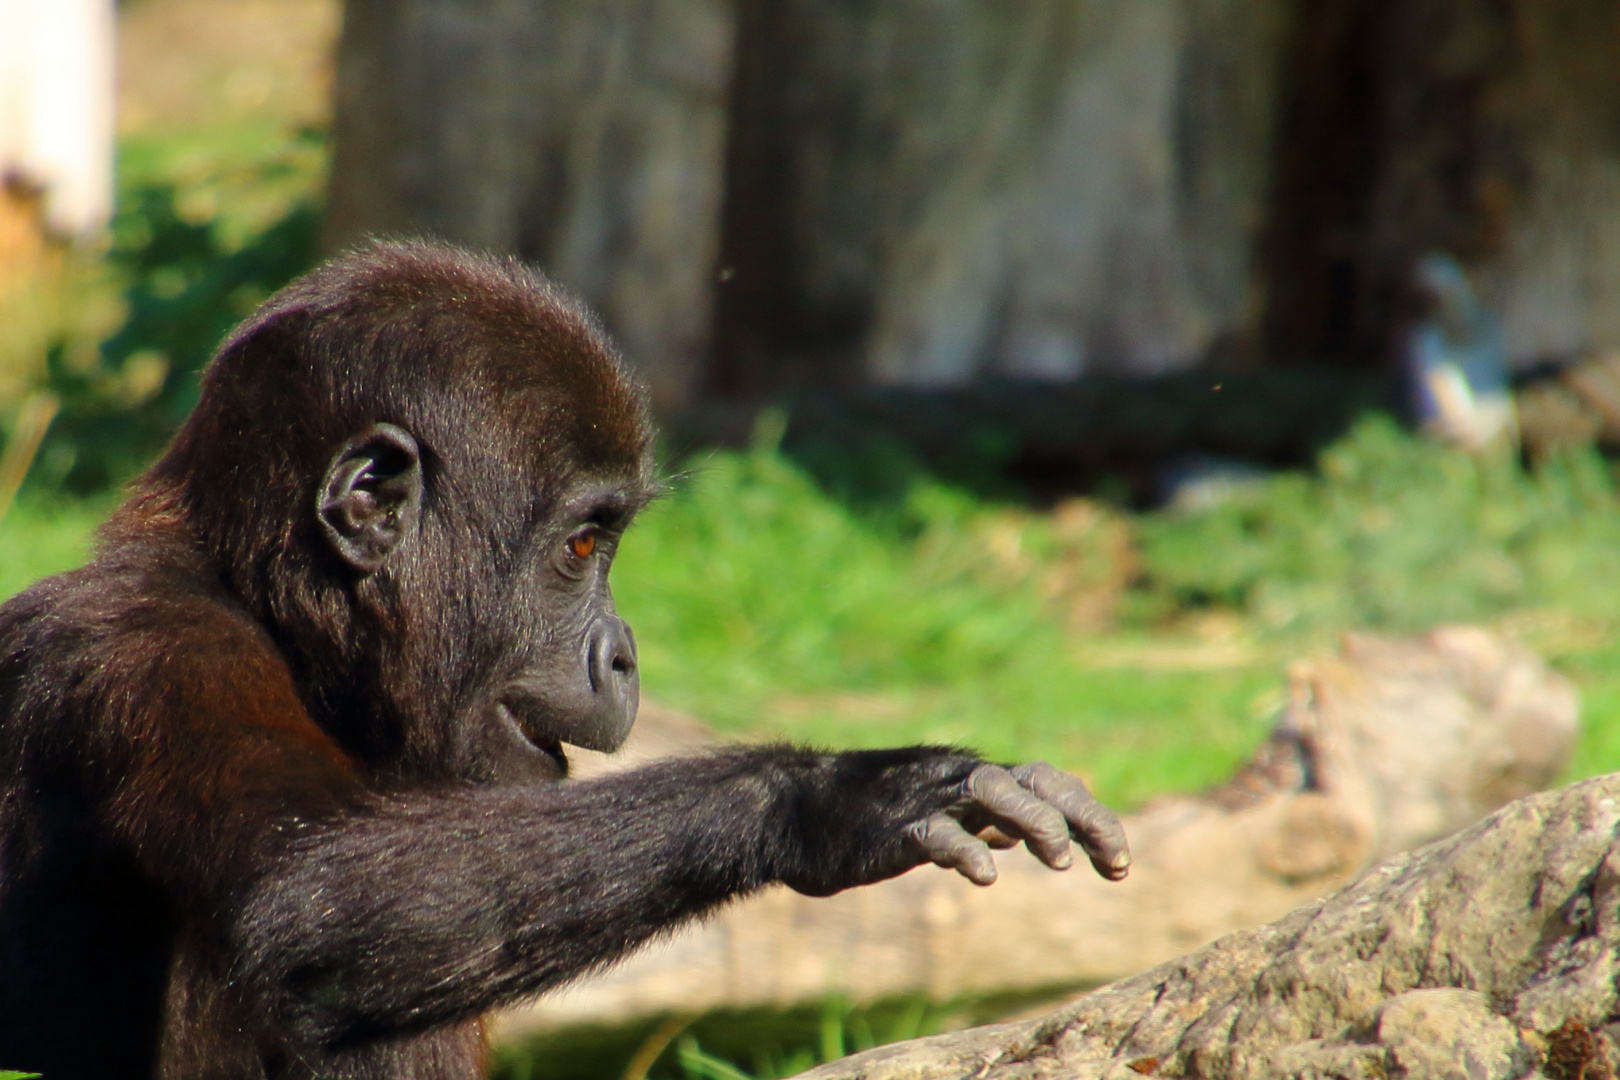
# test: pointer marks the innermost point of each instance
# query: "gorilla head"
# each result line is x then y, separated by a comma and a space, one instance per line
472, 449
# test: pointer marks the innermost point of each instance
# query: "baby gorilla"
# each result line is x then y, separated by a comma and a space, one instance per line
283, 773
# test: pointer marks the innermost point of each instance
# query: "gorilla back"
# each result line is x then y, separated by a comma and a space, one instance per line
284, 767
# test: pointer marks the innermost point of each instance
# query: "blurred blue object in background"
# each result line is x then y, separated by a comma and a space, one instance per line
1455, 355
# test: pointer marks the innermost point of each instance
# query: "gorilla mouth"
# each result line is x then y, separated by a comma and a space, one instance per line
525, 726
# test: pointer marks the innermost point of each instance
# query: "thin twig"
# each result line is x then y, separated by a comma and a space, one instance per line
26, 436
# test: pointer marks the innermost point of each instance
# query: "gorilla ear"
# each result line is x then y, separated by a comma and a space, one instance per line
371, 498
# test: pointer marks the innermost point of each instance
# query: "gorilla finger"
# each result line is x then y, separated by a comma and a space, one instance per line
1092, 824
1042, 826
947, 844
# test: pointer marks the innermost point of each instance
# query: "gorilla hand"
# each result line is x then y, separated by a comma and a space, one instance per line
1036, 803
867, 815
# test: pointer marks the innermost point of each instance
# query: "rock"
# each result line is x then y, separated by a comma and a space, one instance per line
1490, 954
1390, 744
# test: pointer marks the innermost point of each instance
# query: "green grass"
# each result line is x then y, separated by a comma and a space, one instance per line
768, 608
749, 1044
1397, 534
1394, 534
39, 538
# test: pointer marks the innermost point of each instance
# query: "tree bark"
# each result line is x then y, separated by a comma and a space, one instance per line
921, 192
583, 135
1480, 128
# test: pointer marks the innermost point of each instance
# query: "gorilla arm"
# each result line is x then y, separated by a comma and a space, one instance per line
427, 909
347, 914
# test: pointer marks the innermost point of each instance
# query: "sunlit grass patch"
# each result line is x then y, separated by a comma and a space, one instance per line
38, 538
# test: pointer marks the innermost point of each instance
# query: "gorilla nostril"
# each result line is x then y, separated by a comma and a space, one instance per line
624, 649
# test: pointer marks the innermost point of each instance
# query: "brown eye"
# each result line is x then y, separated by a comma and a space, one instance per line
582, 545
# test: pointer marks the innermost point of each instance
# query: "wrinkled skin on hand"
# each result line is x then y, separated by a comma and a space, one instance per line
1037, 804
868, 815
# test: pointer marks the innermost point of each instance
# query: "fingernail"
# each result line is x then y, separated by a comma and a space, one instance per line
1063, 861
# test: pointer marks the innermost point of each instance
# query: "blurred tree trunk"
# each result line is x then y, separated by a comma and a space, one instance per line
1488, 129
585, 135
923, 192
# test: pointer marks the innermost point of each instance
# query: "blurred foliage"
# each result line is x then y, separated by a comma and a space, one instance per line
42, 536
890, 599
1393, 533
186, 273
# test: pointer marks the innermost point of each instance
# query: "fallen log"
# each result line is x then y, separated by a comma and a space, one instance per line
1388, 745
1490, 955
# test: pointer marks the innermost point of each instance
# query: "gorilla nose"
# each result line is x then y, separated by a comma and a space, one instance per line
615, 686
613, 658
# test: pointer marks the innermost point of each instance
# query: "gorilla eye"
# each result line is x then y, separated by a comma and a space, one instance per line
582, 545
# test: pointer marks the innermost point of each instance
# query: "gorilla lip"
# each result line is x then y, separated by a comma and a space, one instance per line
552, 748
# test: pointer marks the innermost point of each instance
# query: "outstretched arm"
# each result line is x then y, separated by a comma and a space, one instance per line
429, 909
346, 914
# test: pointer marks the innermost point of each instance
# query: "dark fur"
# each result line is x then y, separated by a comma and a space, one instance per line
253, 818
